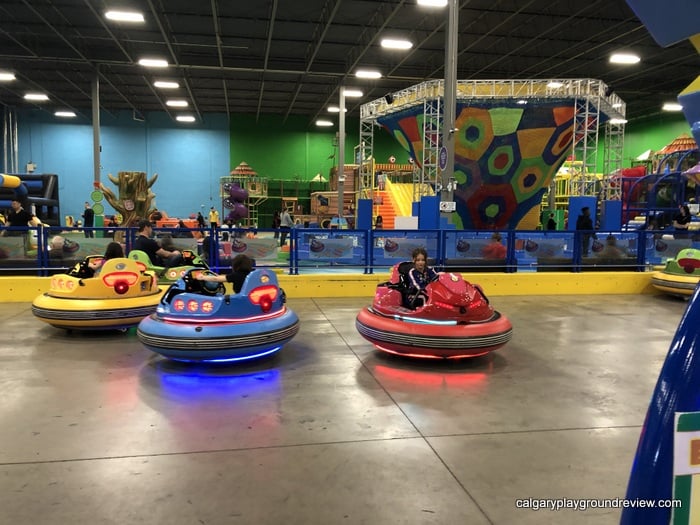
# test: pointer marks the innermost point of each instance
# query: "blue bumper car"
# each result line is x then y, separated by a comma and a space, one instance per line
198, 321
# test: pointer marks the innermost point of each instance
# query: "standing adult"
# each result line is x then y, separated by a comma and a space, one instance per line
213, 217
584, 223
18, 217
200, 220
88, 220
286, 224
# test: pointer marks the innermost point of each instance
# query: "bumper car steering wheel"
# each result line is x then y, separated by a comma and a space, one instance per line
194, 285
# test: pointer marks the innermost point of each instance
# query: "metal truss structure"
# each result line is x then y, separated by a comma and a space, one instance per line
597, 111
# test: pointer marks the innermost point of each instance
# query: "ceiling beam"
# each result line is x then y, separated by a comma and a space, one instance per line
382, 18
321, 30
268, 45
220, 53
173, 54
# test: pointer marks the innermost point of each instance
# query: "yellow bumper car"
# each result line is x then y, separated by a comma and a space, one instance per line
117, 296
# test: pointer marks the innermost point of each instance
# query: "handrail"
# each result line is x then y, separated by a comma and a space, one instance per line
371, 250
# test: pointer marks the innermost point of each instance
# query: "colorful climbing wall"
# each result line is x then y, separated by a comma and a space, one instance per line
506, 155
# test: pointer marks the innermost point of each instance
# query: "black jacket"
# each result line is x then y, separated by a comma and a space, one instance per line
584, 222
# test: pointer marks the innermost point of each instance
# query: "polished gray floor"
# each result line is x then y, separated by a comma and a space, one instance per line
96, 429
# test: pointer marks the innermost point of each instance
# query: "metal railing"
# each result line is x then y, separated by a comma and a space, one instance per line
309, 250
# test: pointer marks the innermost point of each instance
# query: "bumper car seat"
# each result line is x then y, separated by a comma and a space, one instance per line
143, 257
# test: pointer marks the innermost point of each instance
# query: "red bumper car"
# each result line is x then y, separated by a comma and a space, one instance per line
455, 321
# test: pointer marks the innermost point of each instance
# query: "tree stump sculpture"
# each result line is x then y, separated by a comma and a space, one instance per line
135, 195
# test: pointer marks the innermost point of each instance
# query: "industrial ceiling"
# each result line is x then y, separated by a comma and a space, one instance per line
289, 57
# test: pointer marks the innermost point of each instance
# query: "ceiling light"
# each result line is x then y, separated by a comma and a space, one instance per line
66, 114
36, 96
124, 16
624, 58
364, 73
352, 93
324, 123
6, 77
617, 105
153, 62
432, 3
336, 109
164, 84
672, 106
555, 85
185, 118
618, 121
395, 43
177, 103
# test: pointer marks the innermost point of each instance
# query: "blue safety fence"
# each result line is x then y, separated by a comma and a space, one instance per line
307, 250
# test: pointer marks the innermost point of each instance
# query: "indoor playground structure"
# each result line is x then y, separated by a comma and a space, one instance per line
511, 137
242, 192
36, 191
651, 199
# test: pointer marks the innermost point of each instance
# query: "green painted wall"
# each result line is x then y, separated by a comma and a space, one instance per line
296, 150
642, 135
277, 150
290, 153
654, 134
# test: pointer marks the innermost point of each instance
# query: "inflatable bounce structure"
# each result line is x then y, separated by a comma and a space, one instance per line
37, 190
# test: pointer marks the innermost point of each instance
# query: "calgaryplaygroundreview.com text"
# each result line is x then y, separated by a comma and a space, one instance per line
585, 504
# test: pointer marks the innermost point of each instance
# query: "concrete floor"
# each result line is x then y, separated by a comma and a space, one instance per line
96, 429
